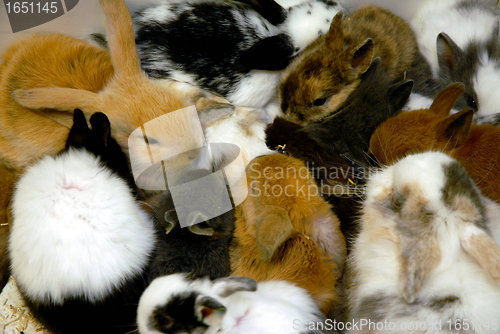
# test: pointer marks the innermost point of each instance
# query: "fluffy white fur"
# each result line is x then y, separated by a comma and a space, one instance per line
376, 261
486, 85
77, 230
463, 26
272, 309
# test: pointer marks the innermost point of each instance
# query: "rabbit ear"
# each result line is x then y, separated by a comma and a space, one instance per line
448, 52
360, 58
209, 311
482, 248
334, 38
66, 99
454, 130
121, 38
101, 128
445, 99
269, 54
399, 95
268, 9
79, 131
226, 286
273, 229
419, 257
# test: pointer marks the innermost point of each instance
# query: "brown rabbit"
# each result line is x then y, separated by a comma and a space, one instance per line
476, 147
323, 76
286, 231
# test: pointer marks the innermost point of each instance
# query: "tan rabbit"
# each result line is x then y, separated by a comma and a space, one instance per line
286, 231
323, 76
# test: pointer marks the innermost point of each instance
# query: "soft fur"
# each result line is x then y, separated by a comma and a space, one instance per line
460, 39
234, 49
79, 75
175, 304
427, 252
322, 78
347, 132
80, 243
201, 249
474, 146
283, 224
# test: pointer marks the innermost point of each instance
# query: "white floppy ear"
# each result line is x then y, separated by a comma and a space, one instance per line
478, 244
209, 311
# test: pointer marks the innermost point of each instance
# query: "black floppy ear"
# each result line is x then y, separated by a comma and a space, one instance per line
269, 54
399, 95
101, 128
268, 9
79, 131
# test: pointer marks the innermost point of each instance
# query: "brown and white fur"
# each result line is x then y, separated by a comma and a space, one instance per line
283, 224
427, 254
476, 147
324, 75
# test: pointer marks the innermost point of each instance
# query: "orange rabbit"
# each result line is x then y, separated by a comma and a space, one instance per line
286, 231
476, 147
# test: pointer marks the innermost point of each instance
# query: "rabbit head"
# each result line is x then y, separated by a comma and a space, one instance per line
426, 239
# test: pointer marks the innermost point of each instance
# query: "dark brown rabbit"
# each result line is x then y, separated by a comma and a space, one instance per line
324, 75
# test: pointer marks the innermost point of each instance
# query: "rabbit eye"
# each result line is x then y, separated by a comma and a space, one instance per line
152, 141
319, 102
164, 321
471, 102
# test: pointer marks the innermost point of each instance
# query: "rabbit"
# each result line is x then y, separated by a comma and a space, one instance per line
45, 77
80, 244
282, 224
201, 248
476, 147
427, 257
347, 132
322, 78
460, 40
178, 304
234, 49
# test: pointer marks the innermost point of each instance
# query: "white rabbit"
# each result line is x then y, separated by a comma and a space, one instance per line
427, 254
80, 243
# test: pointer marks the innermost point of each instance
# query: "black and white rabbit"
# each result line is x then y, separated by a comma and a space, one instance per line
461, 41
80, 243
177, 304
234, 49
427, 254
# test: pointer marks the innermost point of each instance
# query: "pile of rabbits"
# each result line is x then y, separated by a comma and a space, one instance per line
255, 94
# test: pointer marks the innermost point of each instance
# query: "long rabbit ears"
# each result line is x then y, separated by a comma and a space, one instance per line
66, 99
121, 38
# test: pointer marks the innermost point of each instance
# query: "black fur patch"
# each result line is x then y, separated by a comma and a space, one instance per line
177, 315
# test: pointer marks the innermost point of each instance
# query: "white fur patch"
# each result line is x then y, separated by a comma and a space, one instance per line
417, 102
255, 90
486, 84
77, 230
306, 21
461, 25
